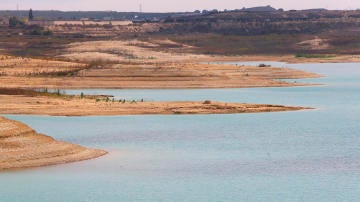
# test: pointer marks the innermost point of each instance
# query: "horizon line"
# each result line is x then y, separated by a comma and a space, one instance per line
224, 10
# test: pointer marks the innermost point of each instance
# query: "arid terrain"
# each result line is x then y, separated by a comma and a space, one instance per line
76, 106
27, 67
22, 147
139, 64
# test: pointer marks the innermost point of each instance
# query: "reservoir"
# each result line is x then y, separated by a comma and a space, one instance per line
311, 155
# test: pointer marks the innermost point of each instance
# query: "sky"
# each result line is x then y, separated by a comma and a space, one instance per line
171, 5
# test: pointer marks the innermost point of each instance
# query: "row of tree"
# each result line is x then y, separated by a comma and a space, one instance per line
14, 21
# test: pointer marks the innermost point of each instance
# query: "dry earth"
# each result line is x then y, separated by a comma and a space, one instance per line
290, 58
157, 70
19, 66
143, 64
75, 106
22, 147
129, 51
314, 44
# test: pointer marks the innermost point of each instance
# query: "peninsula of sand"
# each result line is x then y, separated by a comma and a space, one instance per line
22, 147
17, 101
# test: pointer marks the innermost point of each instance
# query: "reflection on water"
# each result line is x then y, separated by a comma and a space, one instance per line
309, 155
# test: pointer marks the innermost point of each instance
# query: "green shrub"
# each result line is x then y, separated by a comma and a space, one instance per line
39, 32
14, 21
307, 55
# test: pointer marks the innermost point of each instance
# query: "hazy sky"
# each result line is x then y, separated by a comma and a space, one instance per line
172, 5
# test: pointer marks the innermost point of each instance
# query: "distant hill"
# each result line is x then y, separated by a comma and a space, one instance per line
134, 16
94, 15
316, 9
254, 22
260, 9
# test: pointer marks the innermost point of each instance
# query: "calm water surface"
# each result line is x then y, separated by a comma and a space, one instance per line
288, 156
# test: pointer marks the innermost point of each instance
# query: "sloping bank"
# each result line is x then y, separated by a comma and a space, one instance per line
22, 147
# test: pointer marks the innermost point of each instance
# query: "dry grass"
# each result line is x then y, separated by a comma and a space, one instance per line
94, 57
89, 22
19, 66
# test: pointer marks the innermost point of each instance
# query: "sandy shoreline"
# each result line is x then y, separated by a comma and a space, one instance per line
286, 58
57, 106
163, 76
22, 147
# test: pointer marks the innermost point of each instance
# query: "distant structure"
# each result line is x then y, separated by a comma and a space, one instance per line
31, 16
18, 11
260, 9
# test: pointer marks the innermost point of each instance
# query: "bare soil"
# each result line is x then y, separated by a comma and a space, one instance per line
22, 147
75, 106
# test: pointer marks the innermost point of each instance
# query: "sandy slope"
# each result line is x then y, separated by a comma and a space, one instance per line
22, 147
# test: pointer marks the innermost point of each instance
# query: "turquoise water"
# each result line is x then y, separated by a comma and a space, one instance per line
309, 155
